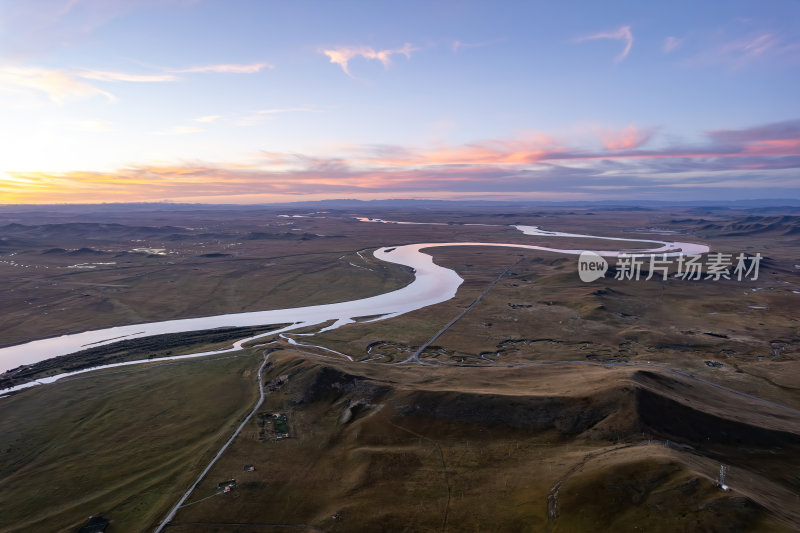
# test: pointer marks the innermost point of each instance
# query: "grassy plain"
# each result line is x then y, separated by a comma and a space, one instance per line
124, 444
552, 405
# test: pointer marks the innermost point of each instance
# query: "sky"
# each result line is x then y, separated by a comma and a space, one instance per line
265, 101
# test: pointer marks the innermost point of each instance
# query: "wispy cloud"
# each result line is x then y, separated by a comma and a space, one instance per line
102, 75
58, 85
628, 139
755, 48
789, 129
529, 149
623, 34
768, 146
63, 85
343, 54
670, 44
250, 68
266, 114
169, 74
733, 162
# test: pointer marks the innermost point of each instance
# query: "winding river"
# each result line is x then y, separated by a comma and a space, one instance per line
432, 284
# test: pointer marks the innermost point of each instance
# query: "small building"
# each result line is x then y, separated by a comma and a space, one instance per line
226, 486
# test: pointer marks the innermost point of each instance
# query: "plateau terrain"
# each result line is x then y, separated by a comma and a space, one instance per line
529, 401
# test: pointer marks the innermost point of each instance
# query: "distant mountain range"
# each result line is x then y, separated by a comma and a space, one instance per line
346, 203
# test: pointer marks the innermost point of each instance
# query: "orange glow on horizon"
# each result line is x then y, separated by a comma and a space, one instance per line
439, 170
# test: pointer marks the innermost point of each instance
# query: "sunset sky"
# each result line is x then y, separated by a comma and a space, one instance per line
266, 101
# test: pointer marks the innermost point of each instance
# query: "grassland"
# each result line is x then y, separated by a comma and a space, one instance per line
123, 444
552, 405
412, 449
89, 273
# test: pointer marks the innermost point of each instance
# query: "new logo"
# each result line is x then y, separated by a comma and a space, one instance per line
591, 266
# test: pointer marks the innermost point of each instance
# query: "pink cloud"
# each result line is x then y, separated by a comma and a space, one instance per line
529, 149
753, 49
774, 147
343, 54
627, 139
623, 34
58, 85
765, 156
